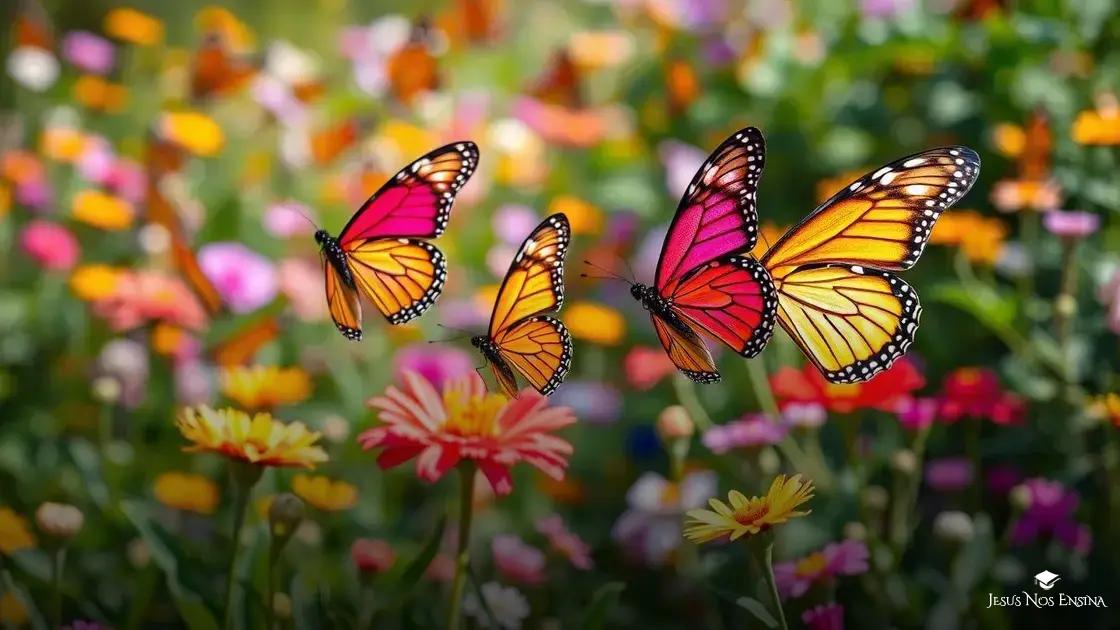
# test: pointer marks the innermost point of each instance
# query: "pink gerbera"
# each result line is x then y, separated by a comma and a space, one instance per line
463, 421
794, 578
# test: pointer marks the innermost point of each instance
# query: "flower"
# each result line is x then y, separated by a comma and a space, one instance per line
1071, 224
1013, 195
803, 415
132, 26
796, 577
322, 493
463, 421
260, 439
142, 296
189, 492
752, 431
1109, 295
746, 517
1107, 407
125, 362
301, 281
288, 218
597, 323
15, 535
59, 520
584, 217
245, 279
565, 542
285, 513
511, 222
193, 131
674, 423
1049, 511
265, 386
917, 413
516, 560
949, 474
372, 555
49, 244
954, 526
979, 238
33, 68
1099, 126
88, 51
102, 210
884, 9
680, 161
976, 393
437, 363
591, 401
824, 617
886, 391
12, 610
99, 94
650, 529
646, 366
504, 604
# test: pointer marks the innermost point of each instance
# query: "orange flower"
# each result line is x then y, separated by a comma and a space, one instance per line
323, 493
585, 217
62, 144
1097, 127
222, 22
265, 387
1009, 139
21, 167
260, 439
186, 491
94, 282
102, 210
96, 93
15, 535
596, 323
980, 238
134, 27
193, 131
1013, 195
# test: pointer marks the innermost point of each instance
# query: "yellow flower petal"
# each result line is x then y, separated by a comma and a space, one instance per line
134, 27
194, 131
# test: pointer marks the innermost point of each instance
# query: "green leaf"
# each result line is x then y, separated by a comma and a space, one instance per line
191, 607
602, 602
410, 577
756, 608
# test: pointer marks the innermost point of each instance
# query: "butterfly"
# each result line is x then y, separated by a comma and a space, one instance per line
705, 282
836, 296
521, 337
217, 70
383, 250
242, 345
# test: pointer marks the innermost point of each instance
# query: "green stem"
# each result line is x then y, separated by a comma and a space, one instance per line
463, 556
58, 560
764, 554
1065, 304
902, 507
814, 467
244, 475
270, 590
686, 395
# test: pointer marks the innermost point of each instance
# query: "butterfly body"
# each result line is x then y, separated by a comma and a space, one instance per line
330, 248
657, 305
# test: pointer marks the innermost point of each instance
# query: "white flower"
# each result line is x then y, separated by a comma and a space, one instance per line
508, 606
33, 68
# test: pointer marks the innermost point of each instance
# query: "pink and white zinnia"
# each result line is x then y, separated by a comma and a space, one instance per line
464, 421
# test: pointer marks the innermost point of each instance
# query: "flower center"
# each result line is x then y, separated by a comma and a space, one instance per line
836, 391
670, 496
811, 565
751, 513
472, 416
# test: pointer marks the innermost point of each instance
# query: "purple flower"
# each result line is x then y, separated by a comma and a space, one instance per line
883, 9
1071, 224
1050, 512
796, 577
513, 222
949, 474
95, 164
824, 617
87, 51
245, 279
681, 161
1001, 479
516, 560
592, 401
34, 193
807, 415
751, 431
288, 218
437, 363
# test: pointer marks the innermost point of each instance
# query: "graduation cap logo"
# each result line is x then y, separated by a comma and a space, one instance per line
1046, 580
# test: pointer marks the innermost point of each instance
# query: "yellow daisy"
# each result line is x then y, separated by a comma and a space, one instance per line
186, 491
749, 516
260, 439
265, 387
325, 494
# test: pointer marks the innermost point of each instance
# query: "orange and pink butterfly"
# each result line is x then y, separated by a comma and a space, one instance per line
830, 281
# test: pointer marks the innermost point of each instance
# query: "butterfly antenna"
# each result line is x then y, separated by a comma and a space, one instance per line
463, 334
630, 269
307, 218
610, 274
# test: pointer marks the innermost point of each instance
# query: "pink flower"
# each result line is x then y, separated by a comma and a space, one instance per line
439, 429
753, 430
49, 244
917, 413
977, 393
89, 52
245, 279
566, 543
436, 363
127, 178
34, 193
794, 578
808, 415
141, 297
289, 218
646, 366
680, 161
512, 222
824, 617
516, 560
301, 281
372, 555
1071, 224
96, 160
949, 474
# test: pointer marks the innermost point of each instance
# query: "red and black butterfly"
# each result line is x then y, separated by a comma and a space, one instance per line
705, 282
383, 249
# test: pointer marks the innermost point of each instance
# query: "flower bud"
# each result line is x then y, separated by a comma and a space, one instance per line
282, 606
954, 526
371, 555
674, 423
904, 461
284, 515
59, 520
139, 555
855, 530
876, 498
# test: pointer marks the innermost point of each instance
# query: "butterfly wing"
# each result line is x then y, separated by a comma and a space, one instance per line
504, 376
717, 215
733, 300
401, 277
835, 295
417, 201
240, 347
540, 348
343, 304
686, 350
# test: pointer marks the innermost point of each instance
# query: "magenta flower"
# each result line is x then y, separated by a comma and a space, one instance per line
883, 9
89, 52
565, 542
512, 222
949, 474
1071, 224
753, 430
824, 617
96, 160
1001, 479
127, 178
34, 193
245, 279
49, 244
437, 363
917, 413
794, 578
1050, 513
516, 560
289, 218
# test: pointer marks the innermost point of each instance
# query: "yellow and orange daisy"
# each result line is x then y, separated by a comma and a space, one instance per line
324, 493
747, 517
187, 491
265, 386
260, 439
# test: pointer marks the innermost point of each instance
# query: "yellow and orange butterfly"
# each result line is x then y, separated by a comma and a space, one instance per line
521, 337
836, 296
384, 249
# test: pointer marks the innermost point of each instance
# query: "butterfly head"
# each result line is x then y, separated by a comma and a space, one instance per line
478, 341
322, 237
640, 291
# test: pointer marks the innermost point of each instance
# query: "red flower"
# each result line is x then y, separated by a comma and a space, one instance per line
466, 422
977, 393
371, 555
887, 391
